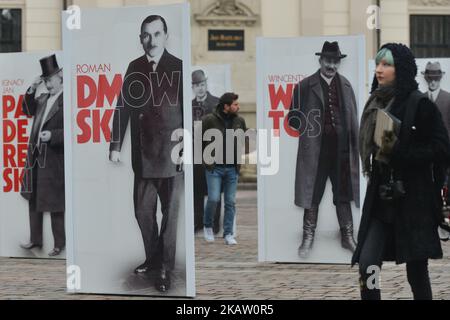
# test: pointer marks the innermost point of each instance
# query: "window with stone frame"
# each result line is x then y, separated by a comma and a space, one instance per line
430, 35
10, 30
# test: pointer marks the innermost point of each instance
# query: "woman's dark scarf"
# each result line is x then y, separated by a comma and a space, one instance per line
380, 99
405, 83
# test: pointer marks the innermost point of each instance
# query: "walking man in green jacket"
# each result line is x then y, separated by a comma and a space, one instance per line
223, 167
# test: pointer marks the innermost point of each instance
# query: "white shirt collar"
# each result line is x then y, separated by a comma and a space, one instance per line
155, 59
328, 80
50, 101
203, 99
433, 95
56, 95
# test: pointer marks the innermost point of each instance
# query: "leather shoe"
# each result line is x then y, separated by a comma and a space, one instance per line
146, 267
30, 246
55, 252
162, 283
347, 241
306, 246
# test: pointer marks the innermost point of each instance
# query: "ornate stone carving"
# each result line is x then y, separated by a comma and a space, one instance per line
430, 2
227, 13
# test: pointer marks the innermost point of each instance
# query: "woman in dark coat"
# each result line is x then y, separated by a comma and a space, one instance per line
402, 209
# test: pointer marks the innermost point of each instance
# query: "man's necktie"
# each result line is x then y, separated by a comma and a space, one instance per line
431, 96
152, 66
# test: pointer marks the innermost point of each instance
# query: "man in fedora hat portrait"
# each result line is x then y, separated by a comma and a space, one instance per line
44, 169
204, 103
433, 75
330, 153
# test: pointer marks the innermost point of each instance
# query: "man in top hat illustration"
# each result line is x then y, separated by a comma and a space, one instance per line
204, 103
433, 76
43, 180
330, 149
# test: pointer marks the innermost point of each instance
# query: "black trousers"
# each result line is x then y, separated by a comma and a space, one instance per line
159, 243
36, 227
338, 170
379, 236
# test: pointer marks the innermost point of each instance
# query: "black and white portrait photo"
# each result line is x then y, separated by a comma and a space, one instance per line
44, 171
330, 154
434, 76
141, 211
209, 82
309, 94
32, 199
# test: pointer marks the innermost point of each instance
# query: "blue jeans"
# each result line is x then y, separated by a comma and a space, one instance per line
214, 179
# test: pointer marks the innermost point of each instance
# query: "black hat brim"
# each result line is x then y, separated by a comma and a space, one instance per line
433, 75
49, 75
330, 55
197, 82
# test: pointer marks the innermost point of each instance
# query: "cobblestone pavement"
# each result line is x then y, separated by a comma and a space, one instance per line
224, 272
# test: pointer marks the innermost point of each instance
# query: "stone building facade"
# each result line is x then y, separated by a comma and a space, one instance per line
40, 26
404, 21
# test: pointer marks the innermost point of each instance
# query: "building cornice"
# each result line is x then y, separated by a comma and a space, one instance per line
429, 2
227, 13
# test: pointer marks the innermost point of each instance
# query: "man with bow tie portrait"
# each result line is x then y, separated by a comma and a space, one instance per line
151, 101
43, 179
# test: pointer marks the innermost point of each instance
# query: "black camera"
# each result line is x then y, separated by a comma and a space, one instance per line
392, 191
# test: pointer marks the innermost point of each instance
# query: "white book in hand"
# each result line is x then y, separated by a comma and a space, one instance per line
385, 122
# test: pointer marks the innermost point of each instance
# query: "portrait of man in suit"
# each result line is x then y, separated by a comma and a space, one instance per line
151, 103
433, 76
330, 150
204, 103
43, 179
